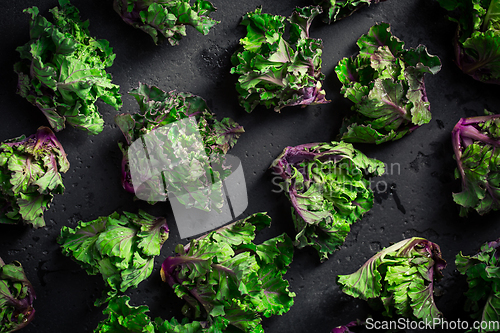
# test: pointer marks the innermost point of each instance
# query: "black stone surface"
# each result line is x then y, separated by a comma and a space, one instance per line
416, 202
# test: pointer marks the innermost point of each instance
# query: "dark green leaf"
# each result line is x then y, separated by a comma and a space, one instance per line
226, 279
123, 317
483, 278
328, 187
276, 72
119, 247
174, 124
475, 142
476, 44
16, 297
167, 19
400, 278
335, 10
30, 174
62, 70
386, 83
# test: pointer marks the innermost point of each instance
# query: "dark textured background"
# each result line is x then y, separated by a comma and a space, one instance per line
418, 201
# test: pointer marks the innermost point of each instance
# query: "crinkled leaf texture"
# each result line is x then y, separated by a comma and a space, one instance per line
335, 10
477, 40
62, 70
123, 317
483, 277
225, 277
476, 142
329, 189
276, 72
16, 297
121, 248
400, 279
159, 109
30, 175
166, 19
385, 82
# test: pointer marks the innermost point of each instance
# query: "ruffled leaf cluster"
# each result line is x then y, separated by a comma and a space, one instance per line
123, 317
201, 167
399, 279
483, 277
62, 70
476, 142
477, 40
335, 10
30, 175
385, 82
121, 248
16, 297
278, 72
166, 19
329, 189
227, 279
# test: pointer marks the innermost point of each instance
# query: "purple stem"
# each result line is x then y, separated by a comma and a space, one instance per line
465, 133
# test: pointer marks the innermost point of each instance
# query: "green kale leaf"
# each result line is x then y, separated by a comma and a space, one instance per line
386, 84
166, 19
328, 187
123, 317
335, 10
227, 279
30, 175
483, 277
121, 248
62, 70
16, 297
477, 40
399, 279
475, 144
174, 142
276, 72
